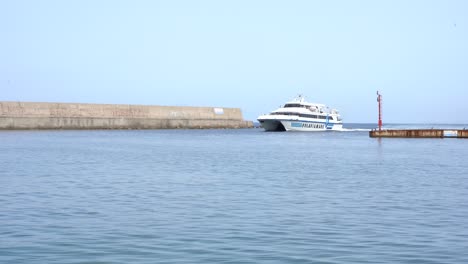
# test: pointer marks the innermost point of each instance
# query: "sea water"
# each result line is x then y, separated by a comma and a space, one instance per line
231, 196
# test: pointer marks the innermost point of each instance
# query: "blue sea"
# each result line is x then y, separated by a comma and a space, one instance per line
232, 196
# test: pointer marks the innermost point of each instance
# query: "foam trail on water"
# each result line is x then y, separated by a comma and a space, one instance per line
354, 130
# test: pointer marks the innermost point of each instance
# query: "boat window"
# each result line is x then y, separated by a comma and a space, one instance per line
330, 117
308, 116
283, 113
293, 105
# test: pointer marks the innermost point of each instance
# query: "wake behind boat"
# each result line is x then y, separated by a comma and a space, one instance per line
299, 115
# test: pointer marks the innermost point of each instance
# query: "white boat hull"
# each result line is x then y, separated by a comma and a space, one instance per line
298, 125
310, 126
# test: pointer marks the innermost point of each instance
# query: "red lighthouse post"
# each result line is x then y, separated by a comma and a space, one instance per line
379, 99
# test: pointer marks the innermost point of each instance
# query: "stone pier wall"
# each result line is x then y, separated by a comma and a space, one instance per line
419, 133
28, 115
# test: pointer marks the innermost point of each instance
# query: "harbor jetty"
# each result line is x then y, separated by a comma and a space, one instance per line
413, 133
419, 133
38, 115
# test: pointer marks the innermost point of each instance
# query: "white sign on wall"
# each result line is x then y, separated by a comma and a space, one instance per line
450, 133
219, 111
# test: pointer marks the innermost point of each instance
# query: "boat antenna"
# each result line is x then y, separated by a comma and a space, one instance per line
300, 97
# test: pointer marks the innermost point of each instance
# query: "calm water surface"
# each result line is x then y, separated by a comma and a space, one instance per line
231, 196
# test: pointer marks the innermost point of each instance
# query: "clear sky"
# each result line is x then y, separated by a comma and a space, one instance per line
249, 54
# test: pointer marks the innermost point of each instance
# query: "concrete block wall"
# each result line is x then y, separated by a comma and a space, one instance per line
30, 115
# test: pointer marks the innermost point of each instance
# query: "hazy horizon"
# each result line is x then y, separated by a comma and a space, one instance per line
255, 55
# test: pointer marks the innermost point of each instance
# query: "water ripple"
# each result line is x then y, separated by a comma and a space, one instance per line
231, 196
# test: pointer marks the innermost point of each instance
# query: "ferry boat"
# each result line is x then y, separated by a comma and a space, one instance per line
299, 115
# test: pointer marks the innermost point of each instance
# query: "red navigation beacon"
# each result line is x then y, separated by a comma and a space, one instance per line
379, 99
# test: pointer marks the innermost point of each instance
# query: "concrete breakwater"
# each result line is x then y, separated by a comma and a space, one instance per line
29, 115
420, 133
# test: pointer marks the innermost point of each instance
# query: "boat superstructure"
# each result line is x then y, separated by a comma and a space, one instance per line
300, 115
